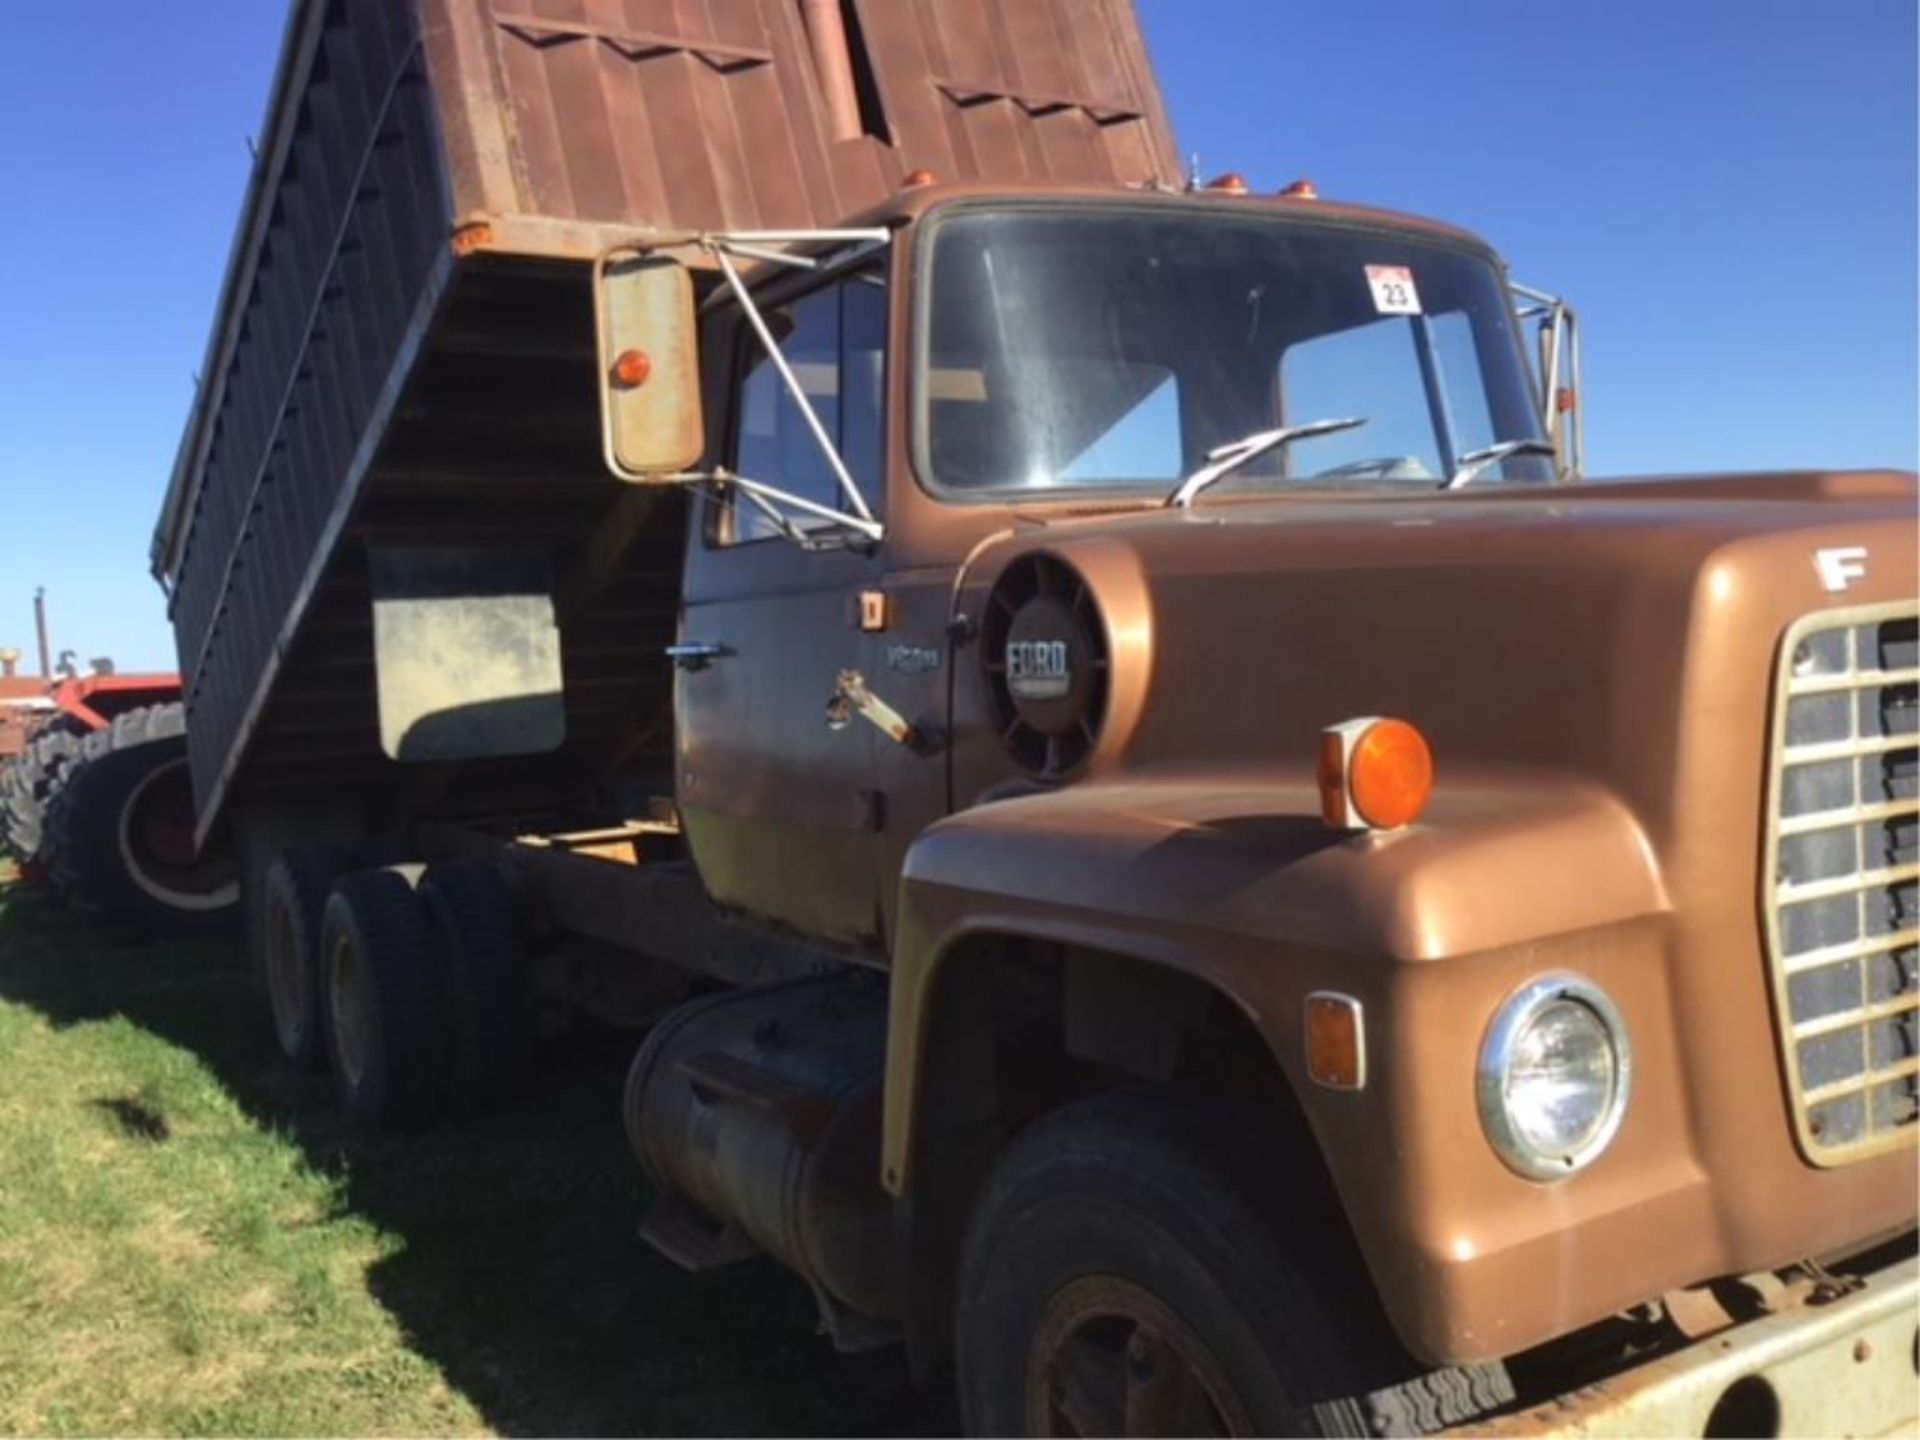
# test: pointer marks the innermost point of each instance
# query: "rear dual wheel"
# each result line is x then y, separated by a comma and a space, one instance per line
483, 971
385, 1020
414, 997
297, 885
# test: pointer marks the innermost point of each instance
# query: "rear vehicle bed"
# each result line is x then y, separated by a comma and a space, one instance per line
403, 348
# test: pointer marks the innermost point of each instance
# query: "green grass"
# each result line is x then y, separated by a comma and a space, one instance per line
192, 1241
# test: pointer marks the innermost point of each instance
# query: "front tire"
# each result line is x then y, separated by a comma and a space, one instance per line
1134, 1268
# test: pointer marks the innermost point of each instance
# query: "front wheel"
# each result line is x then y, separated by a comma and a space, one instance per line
1132, 1270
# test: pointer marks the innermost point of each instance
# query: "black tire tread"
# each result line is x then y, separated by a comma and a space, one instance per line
301, 879
82, 867
25, 784
390, 926
1210, 1168
483, 960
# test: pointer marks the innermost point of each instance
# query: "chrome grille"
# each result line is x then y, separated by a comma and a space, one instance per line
1843, 878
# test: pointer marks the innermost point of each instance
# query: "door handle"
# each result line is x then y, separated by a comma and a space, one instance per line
696, 654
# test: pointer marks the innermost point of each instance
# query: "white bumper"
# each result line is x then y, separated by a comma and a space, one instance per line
1849, 1367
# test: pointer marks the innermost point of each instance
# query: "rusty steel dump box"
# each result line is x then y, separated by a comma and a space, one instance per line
403, 349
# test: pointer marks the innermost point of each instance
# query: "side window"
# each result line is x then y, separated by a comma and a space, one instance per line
834, 341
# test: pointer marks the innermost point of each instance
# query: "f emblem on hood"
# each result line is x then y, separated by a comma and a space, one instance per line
1840, 566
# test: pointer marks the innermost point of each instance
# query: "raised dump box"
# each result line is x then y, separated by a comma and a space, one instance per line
403, 350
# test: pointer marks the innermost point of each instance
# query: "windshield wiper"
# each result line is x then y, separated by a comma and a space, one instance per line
1223, 460
1474, 461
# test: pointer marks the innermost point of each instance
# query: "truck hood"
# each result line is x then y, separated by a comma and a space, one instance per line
1623, 631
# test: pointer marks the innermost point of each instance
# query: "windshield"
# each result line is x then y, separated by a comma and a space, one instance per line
1102, 350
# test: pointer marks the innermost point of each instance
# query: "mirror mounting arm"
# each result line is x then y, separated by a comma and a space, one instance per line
650, 385
772, 347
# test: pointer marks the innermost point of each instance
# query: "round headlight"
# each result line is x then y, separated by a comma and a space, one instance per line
1554, 1075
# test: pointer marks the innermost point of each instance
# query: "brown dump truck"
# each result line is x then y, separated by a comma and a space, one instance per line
1176, 856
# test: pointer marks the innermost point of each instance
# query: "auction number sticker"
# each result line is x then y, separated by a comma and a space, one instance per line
1393, 292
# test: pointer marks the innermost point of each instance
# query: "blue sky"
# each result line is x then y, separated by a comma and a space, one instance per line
1726, 190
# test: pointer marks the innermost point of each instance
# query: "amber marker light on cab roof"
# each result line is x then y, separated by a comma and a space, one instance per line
1375, 774
1336, 1041
632, 367
1231, 183
918, 179
1301, 190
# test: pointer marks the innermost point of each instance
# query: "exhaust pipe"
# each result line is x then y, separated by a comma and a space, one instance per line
833, 63
40, 628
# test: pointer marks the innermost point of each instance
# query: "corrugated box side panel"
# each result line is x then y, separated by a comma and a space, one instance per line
343, 247
573, 115
993, 90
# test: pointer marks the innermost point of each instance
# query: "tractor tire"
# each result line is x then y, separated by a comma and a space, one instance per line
293, 901
25, 784
385, 1006
483, 963
117, 838
1142, 1263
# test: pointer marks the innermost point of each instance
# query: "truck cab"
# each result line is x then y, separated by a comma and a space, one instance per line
1143, 506
1011, 361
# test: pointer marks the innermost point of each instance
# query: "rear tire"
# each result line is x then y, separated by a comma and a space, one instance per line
118, 830
385, 1009
24, 787
1142, 1263
484, 973
293, 904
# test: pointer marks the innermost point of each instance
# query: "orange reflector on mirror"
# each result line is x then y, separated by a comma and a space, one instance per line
632, 367
1336, 1041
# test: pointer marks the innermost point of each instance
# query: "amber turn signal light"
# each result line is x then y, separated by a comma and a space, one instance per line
632, 367
1374, 774
1336, 1041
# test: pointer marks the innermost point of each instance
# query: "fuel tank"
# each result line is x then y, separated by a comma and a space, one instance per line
756, 1116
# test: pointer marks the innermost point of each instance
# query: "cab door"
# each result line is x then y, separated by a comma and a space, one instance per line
778, 807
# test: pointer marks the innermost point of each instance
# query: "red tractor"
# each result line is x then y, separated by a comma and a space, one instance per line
96, 801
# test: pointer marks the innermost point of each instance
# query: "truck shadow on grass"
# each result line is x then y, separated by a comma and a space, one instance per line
520, 1274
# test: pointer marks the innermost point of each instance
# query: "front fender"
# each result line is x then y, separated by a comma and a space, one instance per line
1233, 879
